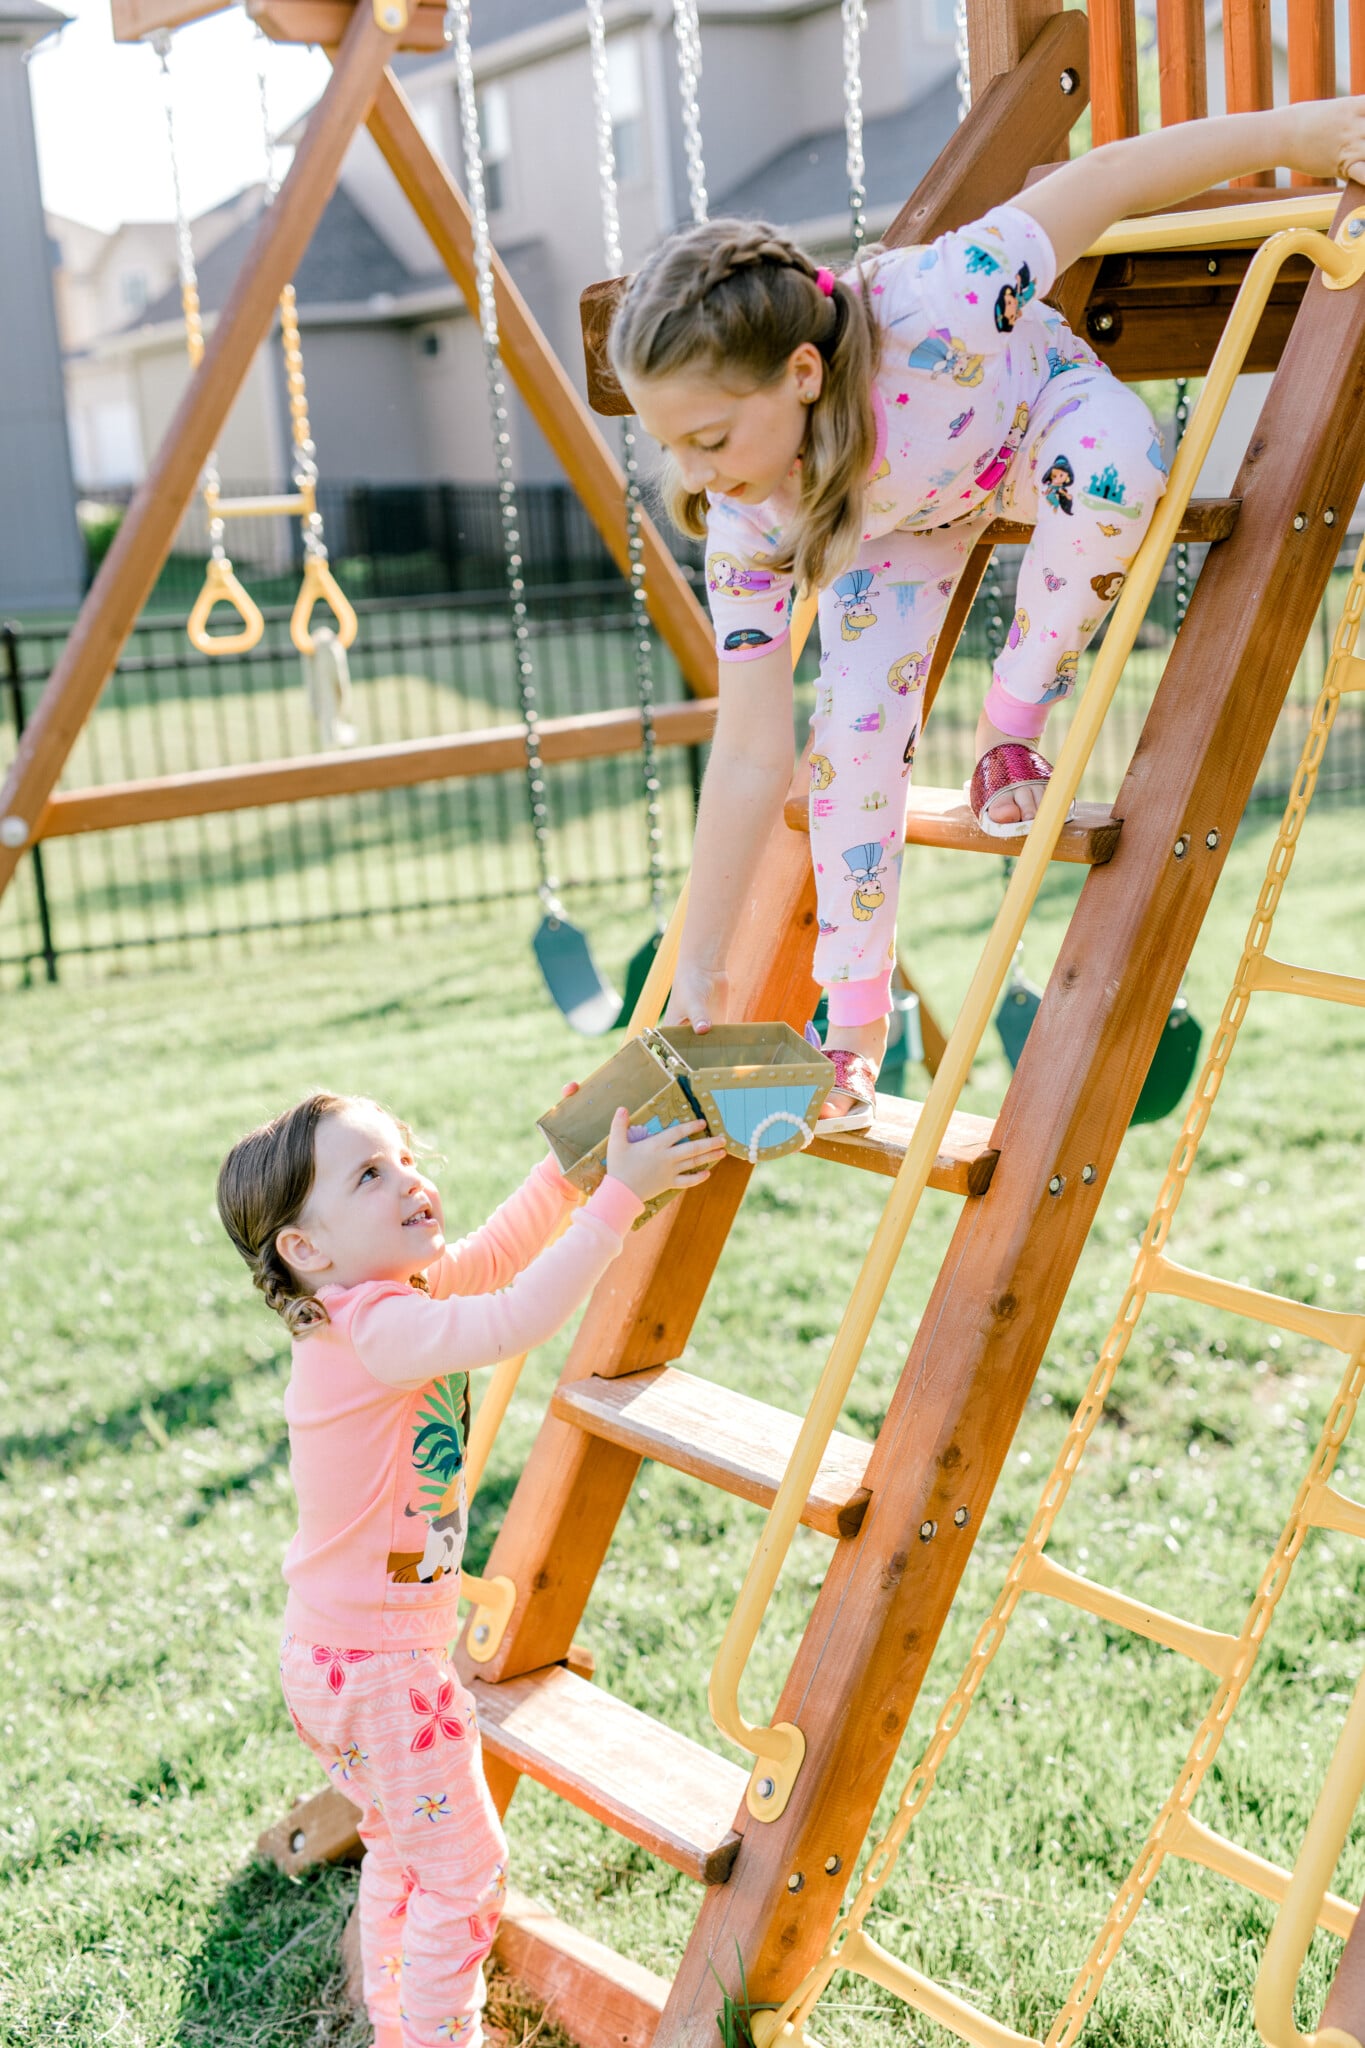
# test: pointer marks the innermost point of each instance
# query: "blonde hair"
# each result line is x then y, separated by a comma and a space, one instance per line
263, 1187
733, 298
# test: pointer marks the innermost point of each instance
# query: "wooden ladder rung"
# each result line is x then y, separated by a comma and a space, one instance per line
966, 1160
648, 1783
1204, 519
1328, 1326
1279, 978
941, 817
732, 1441
1198, 1844
1215, 1651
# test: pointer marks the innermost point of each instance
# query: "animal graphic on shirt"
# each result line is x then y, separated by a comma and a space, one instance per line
821, 771
944, 353
740, 579
1064, 681
851, 591
910, 671
1011, 300
864, 864
440, 1431
995, 465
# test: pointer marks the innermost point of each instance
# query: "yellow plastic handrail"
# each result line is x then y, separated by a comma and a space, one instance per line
779, 1748
1221, 226
1297, 1920
222, 587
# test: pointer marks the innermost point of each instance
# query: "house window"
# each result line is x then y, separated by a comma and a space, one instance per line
495, 144
626, 98
133, 292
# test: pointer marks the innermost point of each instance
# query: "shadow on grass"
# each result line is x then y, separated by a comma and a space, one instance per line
192, 1404
268, 1968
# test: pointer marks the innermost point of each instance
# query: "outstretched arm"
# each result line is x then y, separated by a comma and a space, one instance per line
1145, 173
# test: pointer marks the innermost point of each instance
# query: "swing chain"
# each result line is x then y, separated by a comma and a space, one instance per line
1182, 551
854, 14
687, 33
457, 34
962, 51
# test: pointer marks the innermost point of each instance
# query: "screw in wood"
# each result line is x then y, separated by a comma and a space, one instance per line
927, 1531
481, 1633
1213, 266
833, 1865
1329, 517
1069, 80
796, 1881
1104, 322
1211, 840
962, 1516
13, 831
766, 1788
1056, 1184
1087, 1174
1181, 847
298, 1842
1299, 522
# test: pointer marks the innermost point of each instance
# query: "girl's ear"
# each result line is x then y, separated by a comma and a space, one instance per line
299, 1252
806, 367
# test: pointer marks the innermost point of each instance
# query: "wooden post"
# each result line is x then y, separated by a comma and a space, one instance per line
544, 384
134, 561
1183, 58
998, 34
1113, 70
885, 1596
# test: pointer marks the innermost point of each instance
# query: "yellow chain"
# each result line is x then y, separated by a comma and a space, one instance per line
1203, 1748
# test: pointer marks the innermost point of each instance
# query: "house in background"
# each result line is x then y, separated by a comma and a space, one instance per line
42, 563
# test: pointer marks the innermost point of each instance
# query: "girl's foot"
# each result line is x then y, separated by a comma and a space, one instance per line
868, 1041
1019, 806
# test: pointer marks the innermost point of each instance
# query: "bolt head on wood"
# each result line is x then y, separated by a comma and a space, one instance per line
1087, 1174
833, 1865
766, 1788
796, 1881
1181, 847
298, 1842
1068, 81
1211, 840
1299, 522
1056, 1184
13, 831
927, 1531
961, 1517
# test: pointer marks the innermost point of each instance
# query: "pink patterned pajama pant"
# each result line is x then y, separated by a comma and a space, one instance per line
1087, 476
396, 1732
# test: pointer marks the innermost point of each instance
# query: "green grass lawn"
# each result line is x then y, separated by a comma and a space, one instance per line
145, 1502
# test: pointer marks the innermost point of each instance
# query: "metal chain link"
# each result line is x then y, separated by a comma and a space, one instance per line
1182, 551
963, 53
854, 14
304, 468
687, 34
1204, 1746
642, 632
457, 34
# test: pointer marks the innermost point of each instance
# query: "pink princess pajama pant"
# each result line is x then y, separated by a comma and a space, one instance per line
1087, 475
396, 1732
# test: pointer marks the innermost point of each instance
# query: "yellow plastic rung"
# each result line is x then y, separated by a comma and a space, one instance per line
1198, 1844
1217, 226
258, 508
1350, 673
1207, 1646
1324, 1325
1281, 979
1328, 1509
861, 1954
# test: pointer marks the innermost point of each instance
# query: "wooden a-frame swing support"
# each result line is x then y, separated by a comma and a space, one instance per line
904, 1534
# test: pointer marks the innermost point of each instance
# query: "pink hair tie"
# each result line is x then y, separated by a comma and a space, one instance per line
825, 280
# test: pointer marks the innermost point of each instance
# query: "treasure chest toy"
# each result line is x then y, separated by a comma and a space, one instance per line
758, 1086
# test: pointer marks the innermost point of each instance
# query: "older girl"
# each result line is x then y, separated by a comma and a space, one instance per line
854, 435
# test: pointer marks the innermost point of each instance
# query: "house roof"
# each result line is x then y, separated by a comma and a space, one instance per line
495, 20
20, 14
346, 262
807, 181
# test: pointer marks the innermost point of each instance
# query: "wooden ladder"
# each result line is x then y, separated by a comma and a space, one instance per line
902, 1513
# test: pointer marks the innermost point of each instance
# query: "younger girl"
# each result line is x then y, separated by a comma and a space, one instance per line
854, 435
345, 1239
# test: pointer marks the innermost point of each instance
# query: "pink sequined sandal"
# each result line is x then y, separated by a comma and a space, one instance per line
1003, 769
855, 1075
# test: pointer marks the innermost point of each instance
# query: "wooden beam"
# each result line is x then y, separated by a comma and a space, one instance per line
999, 35
550, 397
599, 1998
1182, 55
1247, 69
323, 23
1162, 314
885, 1596
144, 539
1312, 59
134, 19
588, 736
1113, 70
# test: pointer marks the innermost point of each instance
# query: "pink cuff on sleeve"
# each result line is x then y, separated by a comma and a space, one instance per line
615, 1204
860, 1002
549, 1172
1021, 721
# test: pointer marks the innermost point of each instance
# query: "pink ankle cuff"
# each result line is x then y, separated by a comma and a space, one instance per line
1020, 721
860, 1002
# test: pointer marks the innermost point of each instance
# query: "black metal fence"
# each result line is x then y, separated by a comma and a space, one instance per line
435, 665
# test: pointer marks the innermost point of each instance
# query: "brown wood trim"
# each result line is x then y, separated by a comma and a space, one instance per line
550, 397
983, 1332
964, 1166
323, 23
1182, 56
134, 19
1000, 33
1312, 59
599, 1998
1113, 70
144, 539
588, 736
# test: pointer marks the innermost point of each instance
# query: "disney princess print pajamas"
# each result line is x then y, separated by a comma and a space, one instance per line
986, 406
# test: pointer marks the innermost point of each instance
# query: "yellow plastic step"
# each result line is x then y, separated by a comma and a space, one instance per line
648, 1783
941, 817
966, 1159
730, 1440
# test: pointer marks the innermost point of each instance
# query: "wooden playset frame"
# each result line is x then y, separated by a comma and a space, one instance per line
903, 1513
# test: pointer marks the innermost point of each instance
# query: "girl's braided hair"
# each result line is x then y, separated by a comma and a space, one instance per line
263, 1185
733, 298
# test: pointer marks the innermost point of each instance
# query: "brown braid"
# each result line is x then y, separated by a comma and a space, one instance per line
263, 1185
734, 298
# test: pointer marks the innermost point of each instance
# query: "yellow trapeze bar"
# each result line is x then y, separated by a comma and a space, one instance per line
254, 508
1298, 1917
222, 587
779, 1749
